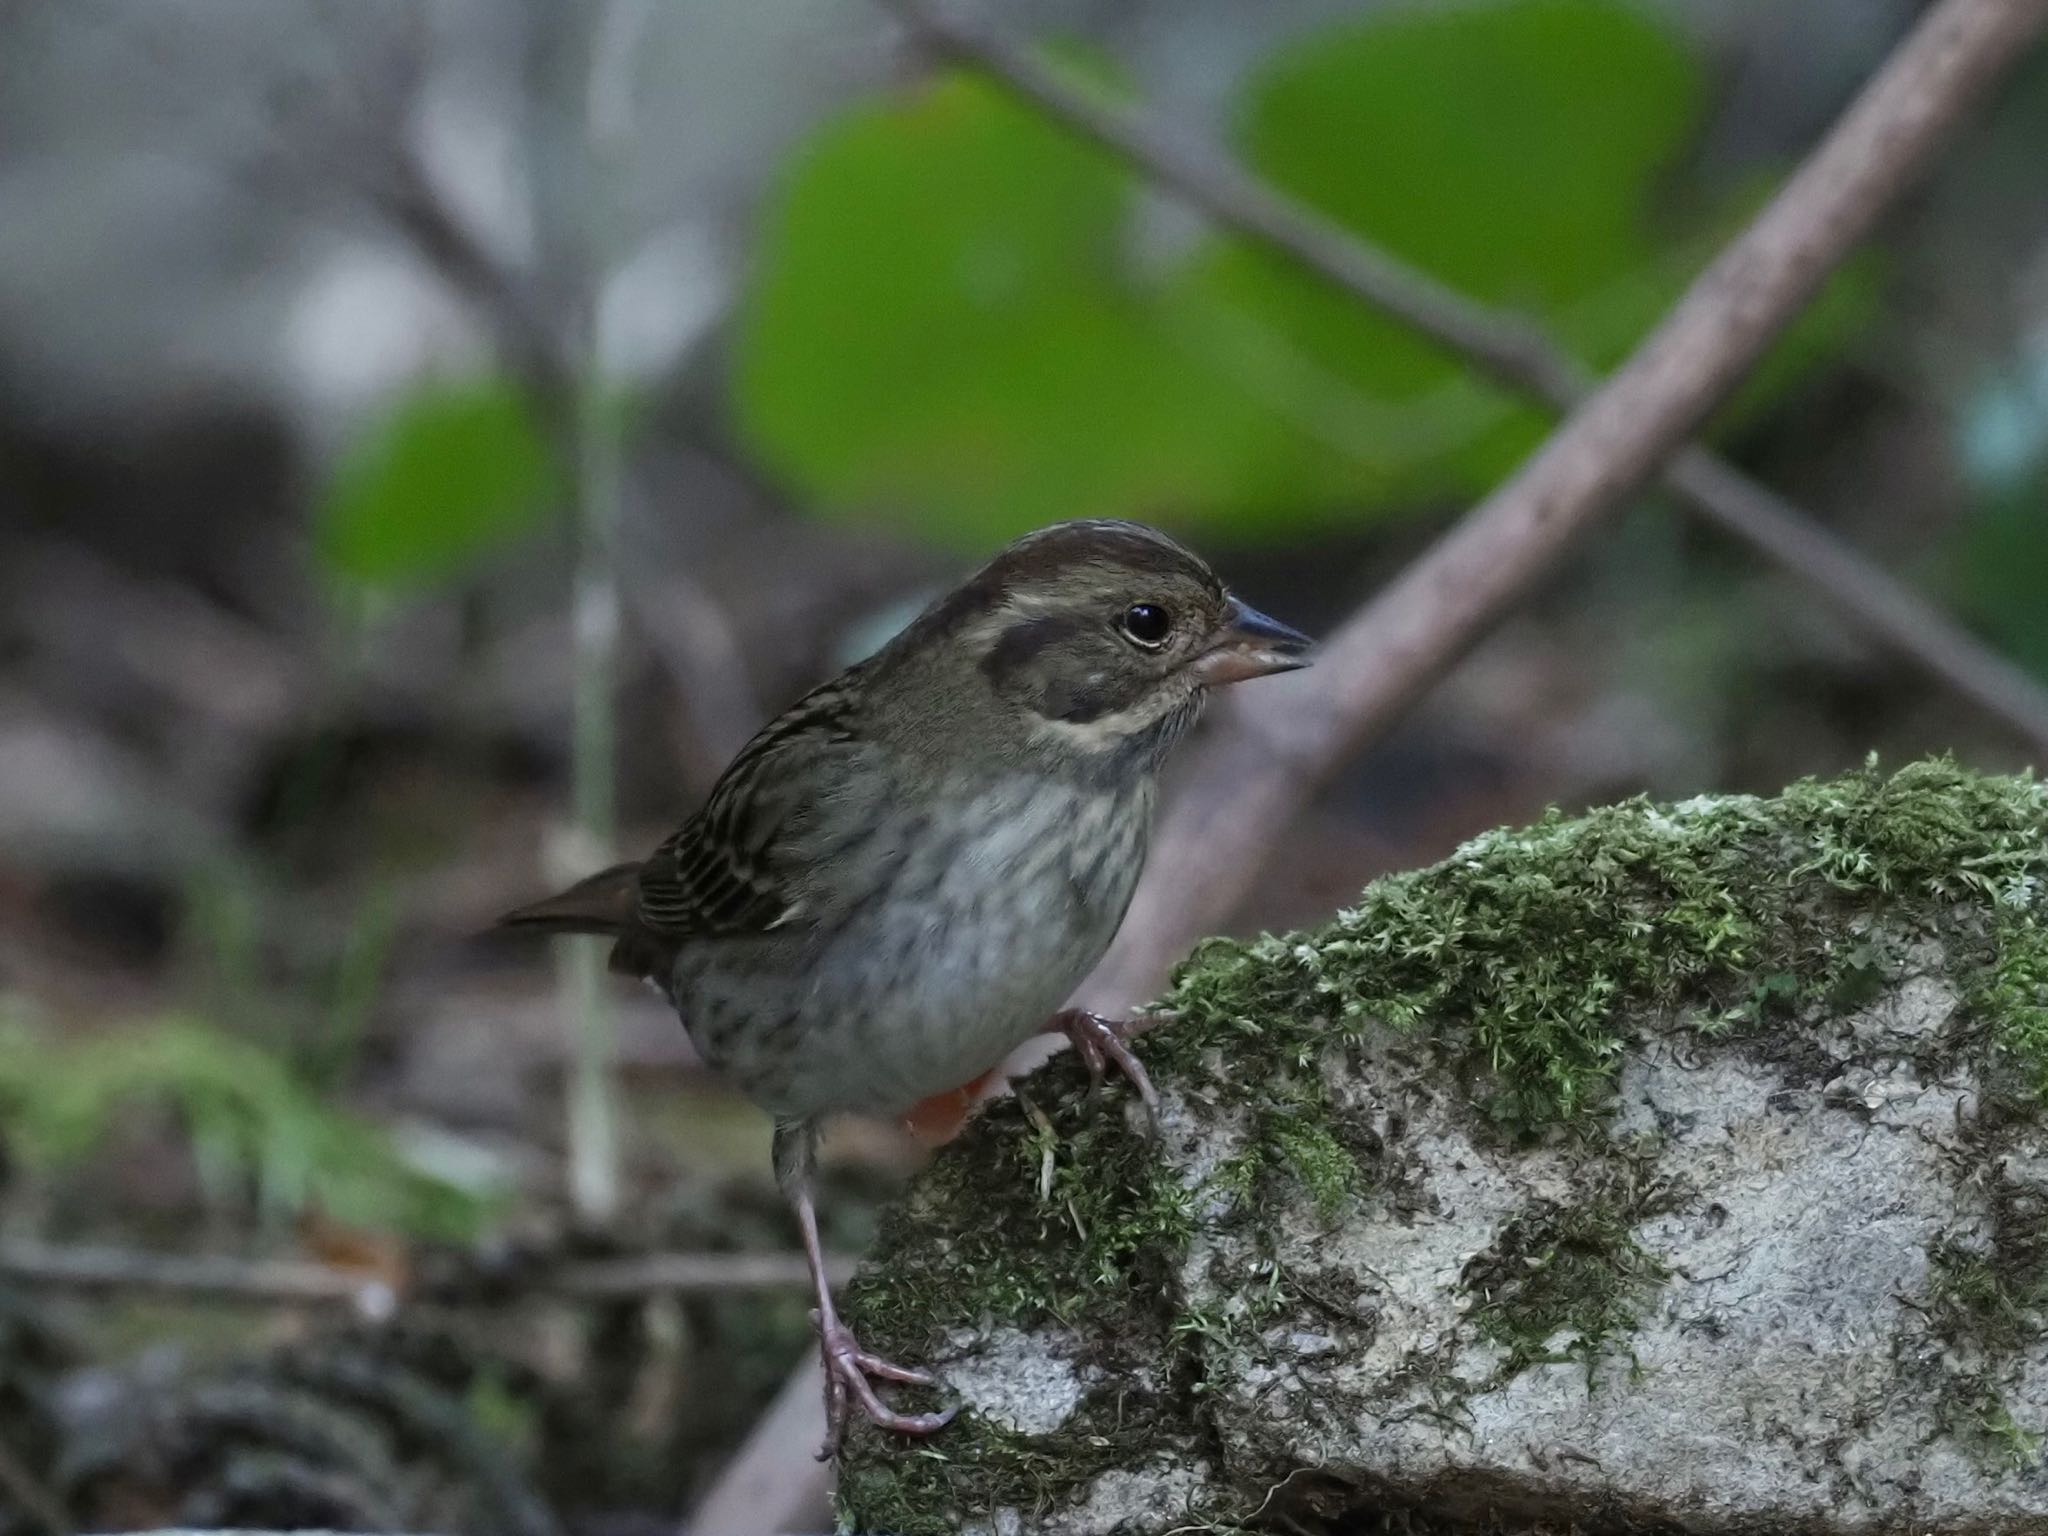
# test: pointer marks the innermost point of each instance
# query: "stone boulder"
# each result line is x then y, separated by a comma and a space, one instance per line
1674, 1168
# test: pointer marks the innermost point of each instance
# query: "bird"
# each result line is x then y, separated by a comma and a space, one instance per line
908, 872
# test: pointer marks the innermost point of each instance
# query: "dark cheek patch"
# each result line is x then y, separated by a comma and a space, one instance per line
1044, 663
1022, 644
1078, 702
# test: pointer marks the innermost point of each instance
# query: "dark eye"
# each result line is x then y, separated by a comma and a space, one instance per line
1148, 624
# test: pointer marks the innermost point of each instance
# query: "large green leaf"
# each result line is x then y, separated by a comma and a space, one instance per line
1994, 569
1518, 150
940, 319
450, 473
1505, 147
1509, 149
949, 324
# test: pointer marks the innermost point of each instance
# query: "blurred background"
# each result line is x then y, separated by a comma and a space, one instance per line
435, 433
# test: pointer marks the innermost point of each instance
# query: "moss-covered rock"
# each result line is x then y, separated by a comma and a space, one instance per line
1672, 1167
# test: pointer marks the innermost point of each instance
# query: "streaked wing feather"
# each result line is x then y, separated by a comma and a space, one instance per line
726, 871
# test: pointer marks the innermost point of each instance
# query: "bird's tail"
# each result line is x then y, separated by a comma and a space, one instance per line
603, 903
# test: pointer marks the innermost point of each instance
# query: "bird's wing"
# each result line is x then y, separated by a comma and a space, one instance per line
739, 865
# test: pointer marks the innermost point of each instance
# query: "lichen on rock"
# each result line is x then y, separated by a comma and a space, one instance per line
1666, 1167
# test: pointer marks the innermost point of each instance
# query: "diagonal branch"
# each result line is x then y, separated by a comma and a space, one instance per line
1510, 348
1294, 732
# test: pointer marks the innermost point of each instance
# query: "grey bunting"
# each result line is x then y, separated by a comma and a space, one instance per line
906, 874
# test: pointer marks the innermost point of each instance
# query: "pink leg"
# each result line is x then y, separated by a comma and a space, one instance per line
848, 1367
1099, 1041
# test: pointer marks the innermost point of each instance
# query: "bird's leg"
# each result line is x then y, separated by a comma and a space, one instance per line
848, 1367
1098, 1041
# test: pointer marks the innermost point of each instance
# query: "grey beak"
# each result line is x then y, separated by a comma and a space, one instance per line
1249, 644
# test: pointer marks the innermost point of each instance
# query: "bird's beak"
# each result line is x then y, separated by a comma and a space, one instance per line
1248, 644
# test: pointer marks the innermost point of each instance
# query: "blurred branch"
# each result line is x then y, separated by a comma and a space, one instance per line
695, 642
32, 1494
773, 1481
348, 119
211, 1277
543, 324
594, 637
686, 630
396, 187
1292, 733
688, 1274
294, 1282
1513, 349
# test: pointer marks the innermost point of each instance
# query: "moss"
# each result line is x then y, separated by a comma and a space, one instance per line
1110, 1217
1526, 949
2017, 1448
1100, 1239
926, 1489
1522, 961
1311, 1152
1987, 1302
2012, 991
1563, 1282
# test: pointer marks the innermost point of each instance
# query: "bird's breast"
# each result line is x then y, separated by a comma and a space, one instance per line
986, 937
959, 932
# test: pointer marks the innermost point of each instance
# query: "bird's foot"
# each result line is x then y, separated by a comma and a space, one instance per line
1098, 1042
850, 1376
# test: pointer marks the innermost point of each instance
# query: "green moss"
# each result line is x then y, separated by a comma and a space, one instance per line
2013, 992
2016, 1447
1101, 1239
1522, 960
1987, 1302
1526, 949
1564, 1282
1990, 1300
1310, 1151
922, 1490
1111, 1214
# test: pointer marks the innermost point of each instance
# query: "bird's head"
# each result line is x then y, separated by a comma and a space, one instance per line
1096, 636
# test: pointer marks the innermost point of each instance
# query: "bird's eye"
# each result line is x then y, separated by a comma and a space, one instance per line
1147, 624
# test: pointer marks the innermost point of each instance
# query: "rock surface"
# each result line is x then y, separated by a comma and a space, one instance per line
1675, 1168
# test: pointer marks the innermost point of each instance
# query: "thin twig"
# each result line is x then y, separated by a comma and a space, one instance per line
206, 1277
295, 1282
1508, 346
689, 1274
576, 168
1292, 733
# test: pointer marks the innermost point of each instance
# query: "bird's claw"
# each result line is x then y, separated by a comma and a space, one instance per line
1100, 1042
850, 1374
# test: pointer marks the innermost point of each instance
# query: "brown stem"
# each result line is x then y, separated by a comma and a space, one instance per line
294, 1282
1294, 731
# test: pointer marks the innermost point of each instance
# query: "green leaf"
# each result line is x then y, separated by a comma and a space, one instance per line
453, 472
939, 320
1502, 146
950, 321
1518, 150
1995, 569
